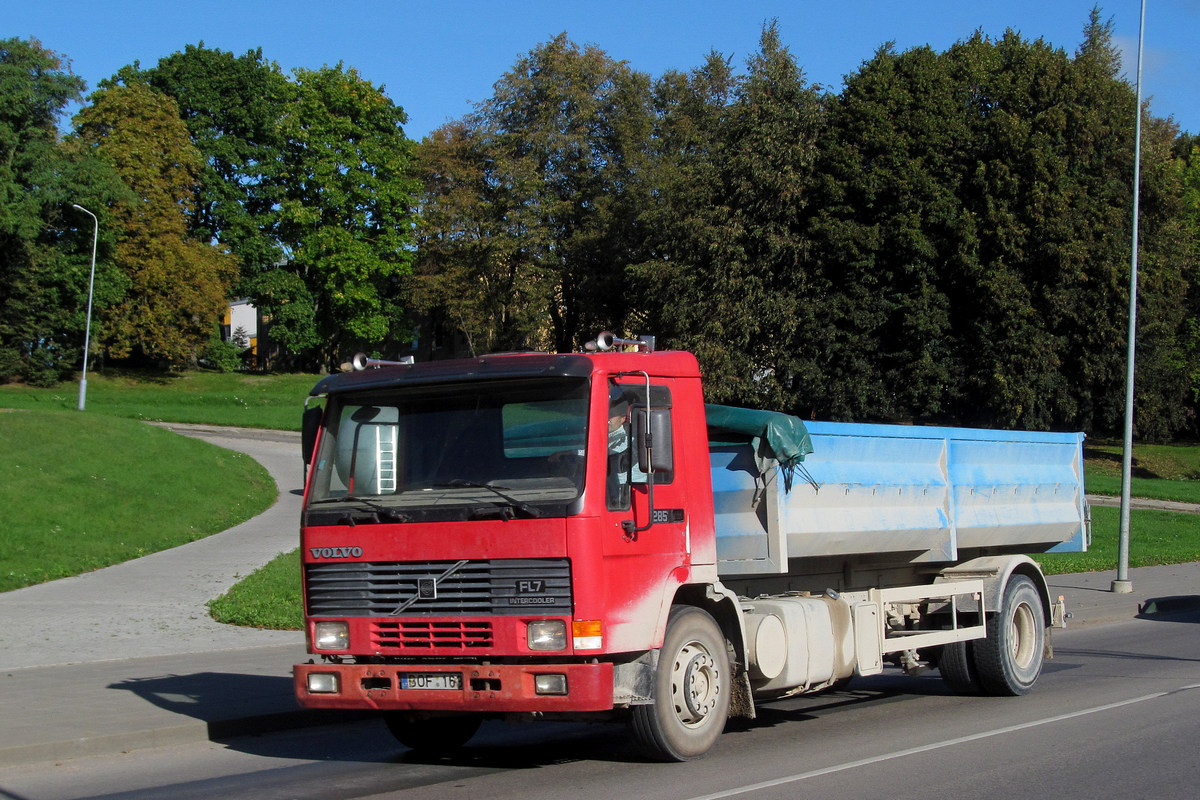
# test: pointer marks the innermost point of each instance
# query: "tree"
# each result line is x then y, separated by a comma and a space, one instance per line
345, 217
1187, 151
974, 232
684, 219
558, 147
307, 182
1168, 291
1056, 200
45, 246
178, 286
233, 106
890, 232
731, 262
474, 273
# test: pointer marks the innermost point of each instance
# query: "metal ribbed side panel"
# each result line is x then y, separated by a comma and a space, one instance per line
439, 588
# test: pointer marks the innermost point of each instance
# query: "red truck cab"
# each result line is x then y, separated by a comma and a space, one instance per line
507, 535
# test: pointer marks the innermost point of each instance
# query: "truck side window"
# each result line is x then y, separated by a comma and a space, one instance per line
619, 456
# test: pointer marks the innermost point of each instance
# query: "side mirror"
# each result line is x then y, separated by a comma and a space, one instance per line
309, 427
653, 434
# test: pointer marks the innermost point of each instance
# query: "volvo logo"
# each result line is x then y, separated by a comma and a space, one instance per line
336, 552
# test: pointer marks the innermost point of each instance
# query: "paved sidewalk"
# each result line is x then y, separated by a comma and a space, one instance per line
127, 657
157, 605
1156, 590
1145, 503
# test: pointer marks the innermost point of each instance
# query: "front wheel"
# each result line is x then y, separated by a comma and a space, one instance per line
1009, 660
691, 690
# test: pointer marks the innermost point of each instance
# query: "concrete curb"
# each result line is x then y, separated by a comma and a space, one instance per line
167, 735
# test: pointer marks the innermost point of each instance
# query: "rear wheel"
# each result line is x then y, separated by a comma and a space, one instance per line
1009, 660
691, 690
432, 735
957, 670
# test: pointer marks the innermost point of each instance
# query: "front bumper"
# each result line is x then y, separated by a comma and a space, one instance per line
492, 688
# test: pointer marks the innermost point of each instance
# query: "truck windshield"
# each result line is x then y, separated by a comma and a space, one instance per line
511, 449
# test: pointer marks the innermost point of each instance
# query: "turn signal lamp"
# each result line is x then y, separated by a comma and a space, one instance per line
587, 634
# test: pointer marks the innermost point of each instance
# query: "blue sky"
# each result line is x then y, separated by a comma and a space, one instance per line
437, 58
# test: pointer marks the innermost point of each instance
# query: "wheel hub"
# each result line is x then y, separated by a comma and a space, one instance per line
1022, 635
698, 684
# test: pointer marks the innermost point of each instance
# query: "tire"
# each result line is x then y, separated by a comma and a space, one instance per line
432, 735
692, 688
1009, 661
957, 668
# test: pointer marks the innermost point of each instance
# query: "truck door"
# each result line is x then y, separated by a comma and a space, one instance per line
648, 503
645, 530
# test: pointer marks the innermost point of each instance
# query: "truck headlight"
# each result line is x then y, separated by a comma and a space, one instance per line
546, 634
331, 636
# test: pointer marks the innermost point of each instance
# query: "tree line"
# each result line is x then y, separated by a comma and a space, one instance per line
945, 239
214, 176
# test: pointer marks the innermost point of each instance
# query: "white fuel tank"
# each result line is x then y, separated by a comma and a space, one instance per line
798, 642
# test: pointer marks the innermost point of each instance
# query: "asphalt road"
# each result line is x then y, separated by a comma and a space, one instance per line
1116, 714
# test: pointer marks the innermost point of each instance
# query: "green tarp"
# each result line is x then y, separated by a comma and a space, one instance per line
783, 435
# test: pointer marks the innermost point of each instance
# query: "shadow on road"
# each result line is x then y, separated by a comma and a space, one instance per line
239, 709
1177, 608
233, 704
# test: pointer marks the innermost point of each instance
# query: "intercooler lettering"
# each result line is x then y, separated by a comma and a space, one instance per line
336, 552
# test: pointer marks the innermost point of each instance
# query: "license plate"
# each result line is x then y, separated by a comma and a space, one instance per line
431, 680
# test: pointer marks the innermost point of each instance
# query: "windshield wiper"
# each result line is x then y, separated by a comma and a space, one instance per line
520, 505
380, 512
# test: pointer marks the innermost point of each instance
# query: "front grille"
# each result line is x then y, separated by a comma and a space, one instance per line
421, 635
500, 587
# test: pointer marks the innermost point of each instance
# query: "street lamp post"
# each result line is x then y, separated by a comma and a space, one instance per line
87, 336
1122, 584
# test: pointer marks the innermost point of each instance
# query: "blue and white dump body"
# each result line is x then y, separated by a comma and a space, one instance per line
920, 495
850, 546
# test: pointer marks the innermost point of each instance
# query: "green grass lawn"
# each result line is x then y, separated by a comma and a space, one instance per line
269, 597
1155, 537
90, 489
210, 398
83, 491
1161, 472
